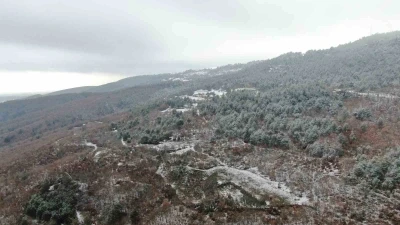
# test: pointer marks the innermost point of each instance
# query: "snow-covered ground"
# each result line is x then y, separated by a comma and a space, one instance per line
228, 71
198, 72
368, 94
178, 79
199, 95
194, 98
255, 183
245, 89
250, 180
213, 71
204, 93
178, 110
170, 146
236, 194
187, 148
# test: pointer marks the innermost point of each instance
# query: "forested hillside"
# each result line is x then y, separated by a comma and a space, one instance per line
299, 139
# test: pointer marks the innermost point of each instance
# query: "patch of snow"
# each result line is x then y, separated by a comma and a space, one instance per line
124, 143
167, 110
178, 79
238, 143
220, 163
200, 95
171, 146
228, 71
178, 110
332, 170
182, 151
199, 72
219, 92
252, 182
183, 110
204, 93
368, 94
80, 218
245, 89
83, 187
90, 144
97, 155
197, 99
236, 194
200, 92
58, 141
161, 171
254, 170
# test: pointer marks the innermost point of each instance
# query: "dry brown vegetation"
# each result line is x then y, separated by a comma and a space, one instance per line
130, 176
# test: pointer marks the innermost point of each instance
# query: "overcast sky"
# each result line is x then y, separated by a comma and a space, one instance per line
47, 45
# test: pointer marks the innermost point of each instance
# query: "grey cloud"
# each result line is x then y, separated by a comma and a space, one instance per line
72, 36
75, 27
23, 57
143, 37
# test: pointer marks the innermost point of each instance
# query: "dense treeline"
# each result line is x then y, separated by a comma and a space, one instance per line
379, 172
162, 129
275, 118
145, 131
367, 64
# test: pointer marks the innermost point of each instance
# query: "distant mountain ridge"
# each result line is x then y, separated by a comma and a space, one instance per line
11, 97
153, 79
190, 75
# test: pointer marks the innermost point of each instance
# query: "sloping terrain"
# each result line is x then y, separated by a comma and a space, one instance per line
72, 90
299, 139
135, 81
4, 98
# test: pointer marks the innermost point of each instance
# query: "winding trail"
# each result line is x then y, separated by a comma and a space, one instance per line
90, 144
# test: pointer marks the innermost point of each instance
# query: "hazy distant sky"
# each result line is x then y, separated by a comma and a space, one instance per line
48, 45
